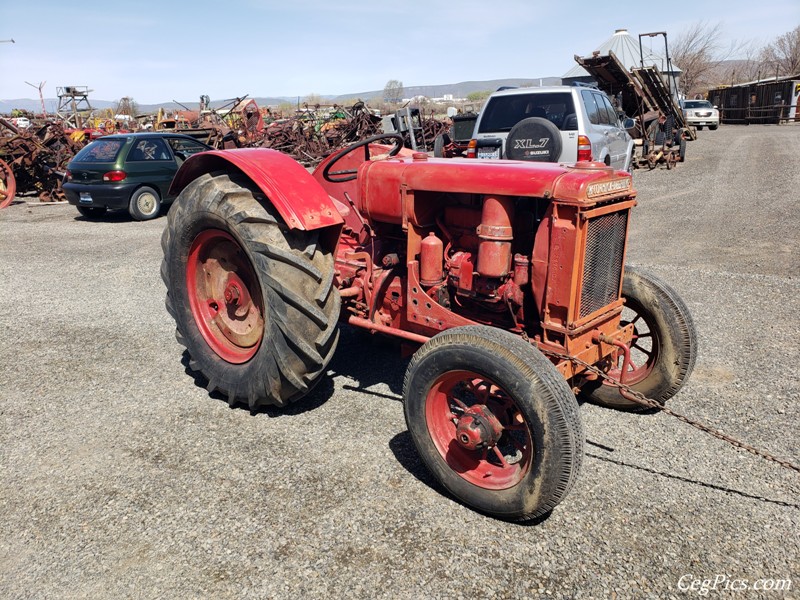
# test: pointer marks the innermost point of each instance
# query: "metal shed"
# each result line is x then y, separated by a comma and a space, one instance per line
776, 100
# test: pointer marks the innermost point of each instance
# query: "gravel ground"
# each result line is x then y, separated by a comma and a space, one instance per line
123, 478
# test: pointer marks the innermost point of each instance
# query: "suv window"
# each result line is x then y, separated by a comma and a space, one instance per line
503, 112
591, 107
149, 149
612, 113
696, 104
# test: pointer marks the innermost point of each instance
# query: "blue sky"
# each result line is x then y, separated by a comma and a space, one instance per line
159, 51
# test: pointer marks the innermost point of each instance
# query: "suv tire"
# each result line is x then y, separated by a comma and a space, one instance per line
534, 139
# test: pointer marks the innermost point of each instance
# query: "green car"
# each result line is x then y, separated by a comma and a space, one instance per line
130, 171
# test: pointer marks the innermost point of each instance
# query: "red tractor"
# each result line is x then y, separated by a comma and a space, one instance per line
506, 277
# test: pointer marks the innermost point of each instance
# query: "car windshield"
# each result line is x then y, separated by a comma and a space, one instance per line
696, 104
100, 151
503, 112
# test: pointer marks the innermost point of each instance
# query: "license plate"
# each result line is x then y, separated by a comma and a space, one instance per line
85, 198
489, 152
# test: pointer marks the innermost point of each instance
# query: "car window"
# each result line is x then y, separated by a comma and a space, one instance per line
501, 113
601, 109
149, 149
612, 112
591, 107
100, 151
696, 104
186, 147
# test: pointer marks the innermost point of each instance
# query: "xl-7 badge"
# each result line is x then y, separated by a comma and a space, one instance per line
530, 144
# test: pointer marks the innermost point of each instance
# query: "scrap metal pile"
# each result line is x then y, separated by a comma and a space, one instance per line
34, 161
313, 134
644, 94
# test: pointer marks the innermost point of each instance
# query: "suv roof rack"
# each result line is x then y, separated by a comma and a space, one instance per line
507, 87
582, 84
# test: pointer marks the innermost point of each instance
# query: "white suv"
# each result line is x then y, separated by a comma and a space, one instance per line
700, 113
552, 124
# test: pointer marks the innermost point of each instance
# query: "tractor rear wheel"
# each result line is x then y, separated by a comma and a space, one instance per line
253, 300
494, 421
8, 184
664, 346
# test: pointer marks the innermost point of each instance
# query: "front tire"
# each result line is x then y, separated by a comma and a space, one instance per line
253, 300
494, 421
145, 204
664, 347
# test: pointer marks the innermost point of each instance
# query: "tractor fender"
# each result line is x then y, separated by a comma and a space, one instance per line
295, 194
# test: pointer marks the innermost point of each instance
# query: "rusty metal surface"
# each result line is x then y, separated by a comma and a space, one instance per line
642, 95
37, 159
8, 184
313, 133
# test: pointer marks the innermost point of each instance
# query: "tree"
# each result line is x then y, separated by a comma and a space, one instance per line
393, 91
285, 109
313, 100
479, 96
783, 55
697, 51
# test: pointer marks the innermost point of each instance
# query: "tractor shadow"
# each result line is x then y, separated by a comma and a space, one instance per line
402, 446
314, 399
370, 360
367, 359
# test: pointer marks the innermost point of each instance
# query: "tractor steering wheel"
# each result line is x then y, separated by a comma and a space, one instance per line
350, 174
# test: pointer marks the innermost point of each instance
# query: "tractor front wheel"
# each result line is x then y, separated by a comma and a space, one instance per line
253, 300
664, 346
494, 421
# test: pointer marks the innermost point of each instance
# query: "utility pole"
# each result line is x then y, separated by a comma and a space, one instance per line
41, 97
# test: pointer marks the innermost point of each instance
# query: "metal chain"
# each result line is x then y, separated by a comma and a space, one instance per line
643, 400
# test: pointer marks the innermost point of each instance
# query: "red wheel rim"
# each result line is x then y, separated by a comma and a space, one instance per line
8, 184
225, 296
498, 465
644, 346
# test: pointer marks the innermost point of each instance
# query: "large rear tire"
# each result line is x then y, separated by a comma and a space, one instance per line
253, 300
8, 184
494, 421
664, 348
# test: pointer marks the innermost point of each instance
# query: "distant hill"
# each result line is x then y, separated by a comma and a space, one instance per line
457, 90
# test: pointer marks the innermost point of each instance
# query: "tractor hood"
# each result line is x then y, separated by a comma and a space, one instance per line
581, 183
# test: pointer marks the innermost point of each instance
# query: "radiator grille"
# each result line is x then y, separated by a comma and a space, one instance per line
605, 245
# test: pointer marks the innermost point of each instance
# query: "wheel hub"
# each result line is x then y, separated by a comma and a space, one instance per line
236, 295
478, 428
223, 294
